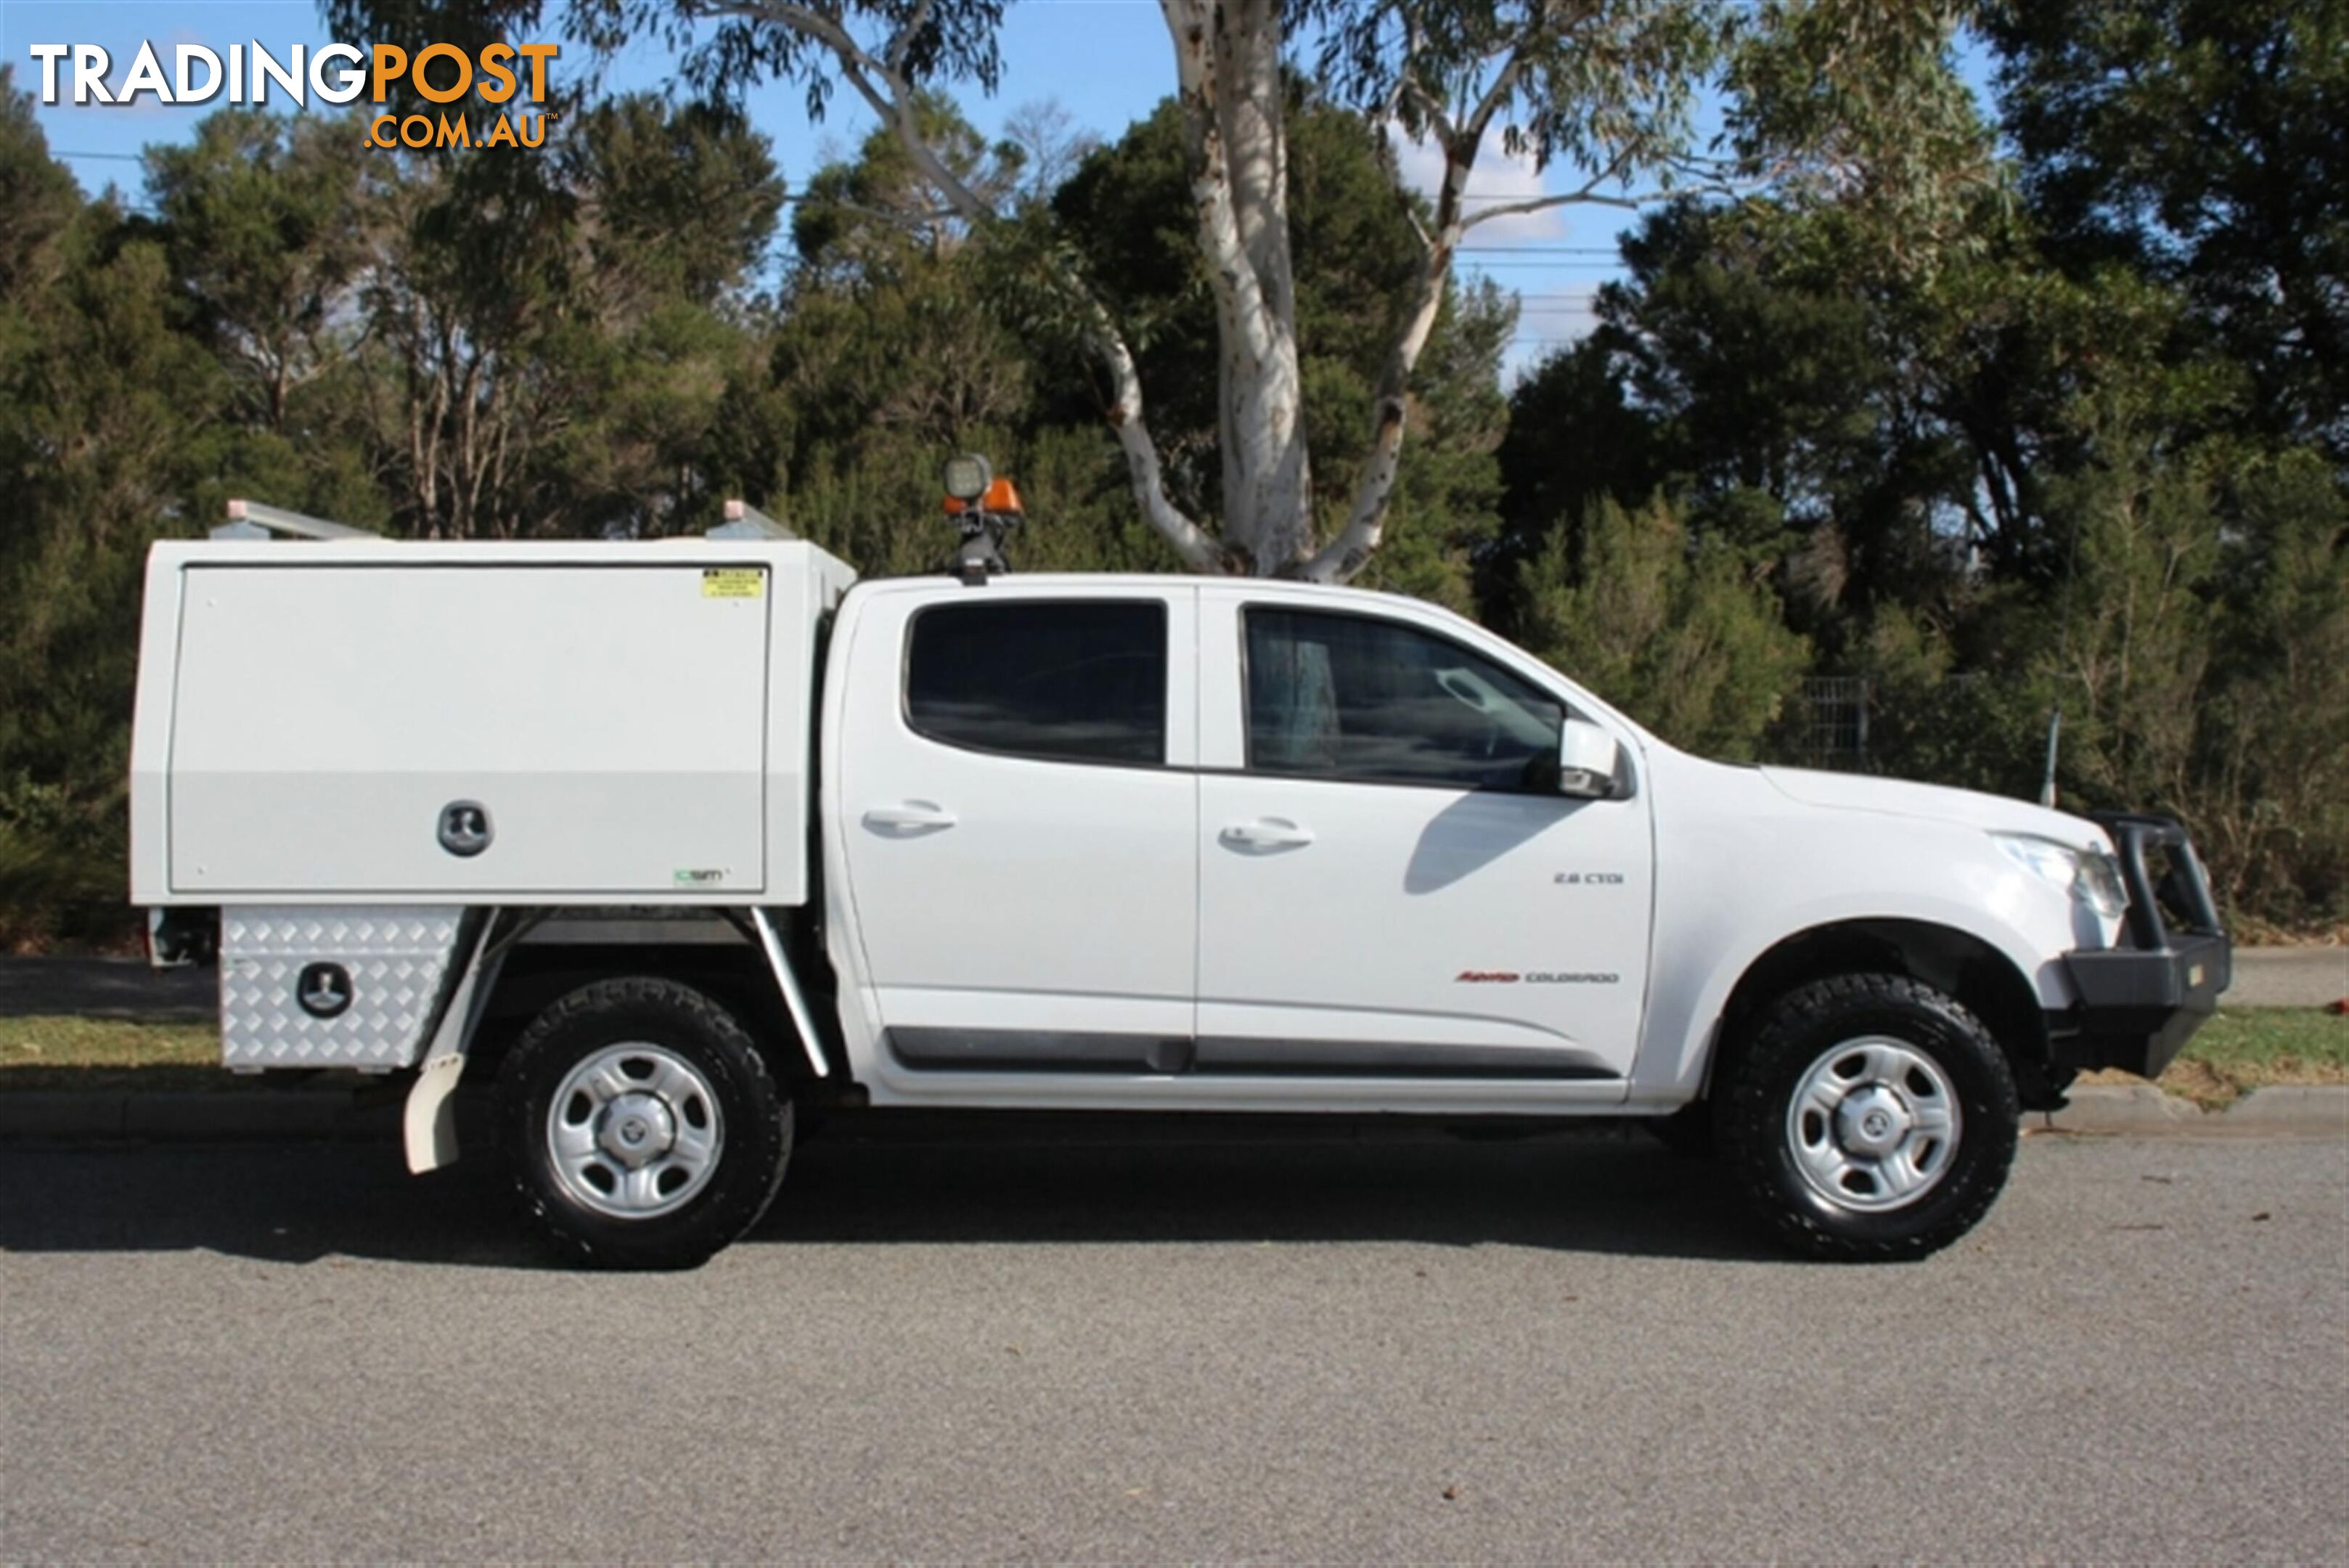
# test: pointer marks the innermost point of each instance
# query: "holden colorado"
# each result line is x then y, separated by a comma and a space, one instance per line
674, 843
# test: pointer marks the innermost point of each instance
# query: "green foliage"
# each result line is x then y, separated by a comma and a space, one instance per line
2279, 782
1860, 103
1606, 84
1856, 100
37, 193
1992, 459
1675, 633
1990, 491
865, 219
60, 871
492, 345
1859, 97
1889, 433
1952, 703
2131, 661
106, 430
2204, 143
549, 339
262, 221
2201, 662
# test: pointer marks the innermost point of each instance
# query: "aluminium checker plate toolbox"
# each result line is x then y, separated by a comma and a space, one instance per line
338, 986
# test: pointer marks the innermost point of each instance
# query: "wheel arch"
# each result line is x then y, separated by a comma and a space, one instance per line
734, 975
1982, 979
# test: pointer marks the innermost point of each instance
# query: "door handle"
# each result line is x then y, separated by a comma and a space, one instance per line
1268, 833
909, 816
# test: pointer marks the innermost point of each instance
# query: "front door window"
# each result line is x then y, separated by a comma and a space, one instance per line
1344, 697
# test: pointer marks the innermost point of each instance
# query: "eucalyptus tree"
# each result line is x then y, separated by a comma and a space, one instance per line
1855, 95
548, 335
264, 221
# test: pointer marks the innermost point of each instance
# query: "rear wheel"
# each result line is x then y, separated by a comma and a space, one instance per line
644, 1128
1868, 1117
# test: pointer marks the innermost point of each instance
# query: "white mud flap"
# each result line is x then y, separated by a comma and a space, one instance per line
429, 1127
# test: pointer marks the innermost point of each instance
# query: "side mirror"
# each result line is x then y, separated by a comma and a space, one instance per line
1586, 760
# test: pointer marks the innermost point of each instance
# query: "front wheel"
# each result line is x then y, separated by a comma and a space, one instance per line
1868, 1117
644, 1128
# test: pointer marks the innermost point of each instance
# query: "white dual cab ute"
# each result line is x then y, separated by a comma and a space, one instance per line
672, 839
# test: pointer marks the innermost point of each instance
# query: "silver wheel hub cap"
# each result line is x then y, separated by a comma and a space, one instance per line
634, 1131
1873, 1124
638, 1129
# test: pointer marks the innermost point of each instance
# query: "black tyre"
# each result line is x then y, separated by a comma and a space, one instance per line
643, 1128
1868, 1118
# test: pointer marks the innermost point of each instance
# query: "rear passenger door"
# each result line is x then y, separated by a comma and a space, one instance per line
1020, 821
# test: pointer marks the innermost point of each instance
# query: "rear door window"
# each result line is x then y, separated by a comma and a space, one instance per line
1080, 683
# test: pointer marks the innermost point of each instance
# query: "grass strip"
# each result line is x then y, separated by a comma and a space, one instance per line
2236, 1052
106, 1054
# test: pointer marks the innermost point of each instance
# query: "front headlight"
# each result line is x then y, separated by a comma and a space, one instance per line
2089, 875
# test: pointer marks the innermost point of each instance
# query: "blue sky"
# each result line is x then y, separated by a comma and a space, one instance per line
1106, 62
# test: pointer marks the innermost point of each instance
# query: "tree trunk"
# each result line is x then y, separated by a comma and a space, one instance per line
1227, 56
1227, 65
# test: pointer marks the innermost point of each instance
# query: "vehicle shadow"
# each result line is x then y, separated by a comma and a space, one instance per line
1608, 1192
1477, 829
1615, 1192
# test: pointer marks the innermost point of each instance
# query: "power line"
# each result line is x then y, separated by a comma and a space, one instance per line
1479, 251
1464, 250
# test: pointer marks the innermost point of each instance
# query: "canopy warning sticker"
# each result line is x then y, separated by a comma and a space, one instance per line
733, 583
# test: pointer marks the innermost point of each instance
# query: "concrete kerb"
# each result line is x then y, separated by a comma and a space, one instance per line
2133, 1110
2139, 1110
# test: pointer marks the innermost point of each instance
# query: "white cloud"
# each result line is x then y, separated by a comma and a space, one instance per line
1554, 290
1497, 179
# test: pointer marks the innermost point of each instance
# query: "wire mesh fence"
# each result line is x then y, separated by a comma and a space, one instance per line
1836, 735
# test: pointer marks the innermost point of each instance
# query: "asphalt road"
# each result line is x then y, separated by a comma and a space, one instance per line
1382, 1349
2290, 977
106, 987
